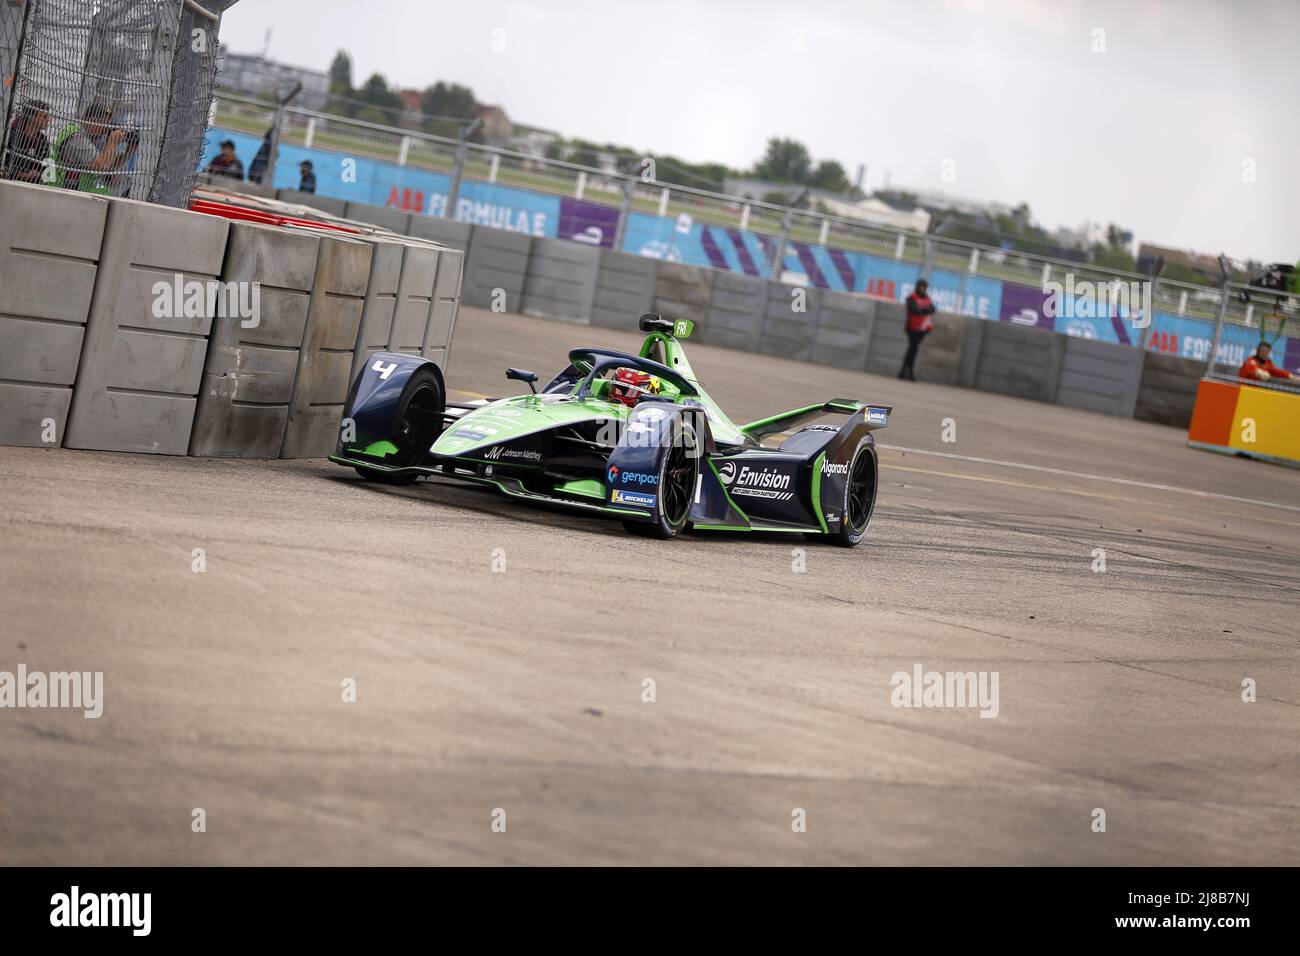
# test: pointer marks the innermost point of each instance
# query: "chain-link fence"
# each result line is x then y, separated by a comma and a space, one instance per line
108, 96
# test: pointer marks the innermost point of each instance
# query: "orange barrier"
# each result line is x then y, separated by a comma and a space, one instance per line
1248, 420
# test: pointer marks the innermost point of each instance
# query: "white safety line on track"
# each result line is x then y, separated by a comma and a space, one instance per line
1084, 475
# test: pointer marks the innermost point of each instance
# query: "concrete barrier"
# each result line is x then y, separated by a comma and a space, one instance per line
335, 207
939, 358
1167, 389
561, 280
497, 260
381, 301
49, 252
446, 307
888, 342
427, 302
446, 232
325, 360
684, 292
1012, 360
1100, 376
790, 321
941, 351
737, 308
248, 381
395, 220
844, 326
261, 190
143, 356
625, 290
415, 296
420, 311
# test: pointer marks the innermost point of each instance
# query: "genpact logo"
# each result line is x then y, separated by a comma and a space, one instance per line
613, 474
639, 478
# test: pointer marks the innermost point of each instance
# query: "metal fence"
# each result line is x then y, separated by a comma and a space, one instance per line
109, 97
778, 225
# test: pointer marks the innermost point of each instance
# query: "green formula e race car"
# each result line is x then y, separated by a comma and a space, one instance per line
633, 437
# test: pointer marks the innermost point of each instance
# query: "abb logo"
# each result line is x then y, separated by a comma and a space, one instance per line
411, 200
881, 287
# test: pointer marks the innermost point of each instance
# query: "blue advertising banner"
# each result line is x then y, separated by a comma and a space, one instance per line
588, 223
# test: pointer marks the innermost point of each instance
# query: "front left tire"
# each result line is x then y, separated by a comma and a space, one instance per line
678, 472
417, 423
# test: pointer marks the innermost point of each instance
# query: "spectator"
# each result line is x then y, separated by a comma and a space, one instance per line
1259, 368
257, 168
307, 184
28, 146
120, 184
919, 310
85, 153
226, 163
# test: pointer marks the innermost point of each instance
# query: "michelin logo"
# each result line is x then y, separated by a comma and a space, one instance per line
633, 498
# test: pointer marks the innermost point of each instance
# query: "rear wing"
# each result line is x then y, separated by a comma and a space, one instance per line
876, 416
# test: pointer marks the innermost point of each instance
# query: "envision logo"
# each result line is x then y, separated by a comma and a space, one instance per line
1091, 300
102, 909
761, 478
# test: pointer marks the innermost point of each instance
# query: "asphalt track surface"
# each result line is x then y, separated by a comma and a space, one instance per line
521, 690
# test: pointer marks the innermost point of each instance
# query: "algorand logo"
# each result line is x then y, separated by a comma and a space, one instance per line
832, 469
1093, 300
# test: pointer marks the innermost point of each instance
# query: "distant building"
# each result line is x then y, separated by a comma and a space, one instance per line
875, 210
497, 128
1206, 265
936, 201
1084, 237
532, 140
254, 75
411, 100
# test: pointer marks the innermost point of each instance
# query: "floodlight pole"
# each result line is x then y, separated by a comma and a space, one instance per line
268, 177
462, 151
1223, 314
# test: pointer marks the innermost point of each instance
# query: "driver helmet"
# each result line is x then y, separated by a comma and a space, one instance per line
629, 384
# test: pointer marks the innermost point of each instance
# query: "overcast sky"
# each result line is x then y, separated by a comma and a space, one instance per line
1184, 129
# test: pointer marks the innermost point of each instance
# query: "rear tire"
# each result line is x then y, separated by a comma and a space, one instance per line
859, 497
417, 423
